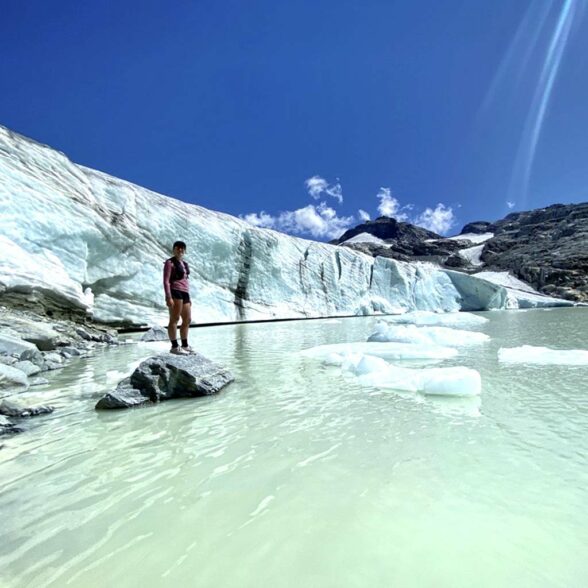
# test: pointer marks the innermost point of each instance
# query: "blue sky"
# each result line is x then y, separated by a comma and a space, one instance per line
309, 116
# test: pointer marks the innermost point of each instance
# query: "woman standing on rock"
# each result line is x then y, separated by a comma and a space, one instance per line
177, 297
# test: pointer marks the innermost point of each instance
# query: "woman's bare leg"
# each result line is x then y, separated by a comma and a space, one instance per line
175, 312
186, 313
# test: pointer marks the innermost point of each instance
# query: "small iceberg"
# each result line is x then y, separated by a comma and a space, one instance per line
426, 335
443, 381
392, 350
542, 355
464, 320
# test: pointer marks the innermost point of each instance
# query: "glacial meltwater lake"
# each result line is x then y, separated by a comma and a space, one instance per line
297, 476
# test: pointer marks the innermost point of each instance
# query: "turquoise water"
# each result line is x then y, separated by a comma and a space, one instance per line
295, 475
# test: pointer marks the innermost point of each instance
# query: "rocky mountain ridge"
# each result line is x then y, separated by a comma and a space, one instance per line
547, 248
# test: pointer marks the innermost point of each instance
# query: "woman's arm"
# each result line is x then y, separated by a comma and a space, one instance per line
167, 269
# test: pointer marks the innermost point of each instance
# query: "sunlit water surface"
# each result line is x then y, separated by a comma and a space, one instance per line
297, 476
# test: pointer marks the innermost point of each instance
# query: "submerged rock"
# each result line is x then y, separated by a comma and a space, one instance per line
14, 409
155, 334
19, 411
168, 376
7, 426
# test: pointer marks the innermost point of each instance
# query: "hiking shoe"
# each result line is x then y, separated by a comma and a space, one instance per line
189, 350
178, 351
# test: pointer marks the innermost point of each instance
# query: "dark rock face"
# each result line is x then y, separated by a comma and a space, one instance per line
385, 228
168, 376
547, 248
404, 242
477, 228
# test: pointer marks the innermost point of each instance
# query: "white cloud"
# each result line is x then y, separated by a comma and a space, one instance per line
510, 204
389, 206
317, 186
363, 215
316, 221
439, 220
336, 191
260, 220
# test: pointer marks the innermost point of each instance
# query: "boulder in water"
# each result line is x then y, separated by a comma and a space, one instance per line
155, 334
14, 409
168, 376
7, 426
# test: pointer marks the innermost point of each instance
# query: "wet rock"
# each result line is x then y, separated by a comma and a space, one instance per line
53, 358
70, 351
125, 396
10, 377
155, 334
50, 366
11, 345
8, 359
7, 426
33, 355
38, 381
168, 376
12, 409
80, 331
28, 367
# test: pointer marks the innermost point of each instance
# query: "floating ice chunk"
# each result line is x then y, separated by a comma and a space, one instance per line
368, 364
465, 320
451, 381
445, 381
543, 355
334, 353
426, 335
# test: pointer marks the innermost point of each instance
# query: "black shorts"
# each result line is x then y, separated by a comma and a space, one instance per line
179, 295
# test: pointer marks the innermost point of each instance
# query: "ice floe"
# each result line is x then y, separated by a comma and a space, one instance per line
464, 320
543, 355
337, 352
426, 335
440, 381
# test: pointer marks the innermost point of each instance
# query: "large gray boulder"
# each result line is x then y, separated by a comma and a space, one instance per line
168, 376
12, 378
12, 345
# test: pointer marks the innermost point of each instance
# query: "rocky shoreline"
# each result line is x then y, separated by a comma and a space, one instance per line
32, 345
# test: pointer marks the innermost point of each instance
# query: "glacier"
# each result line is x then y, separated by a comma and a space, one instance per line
81, 243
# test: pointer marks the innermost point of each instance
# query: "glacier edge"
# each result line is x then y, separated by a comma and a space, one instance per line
80, 241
